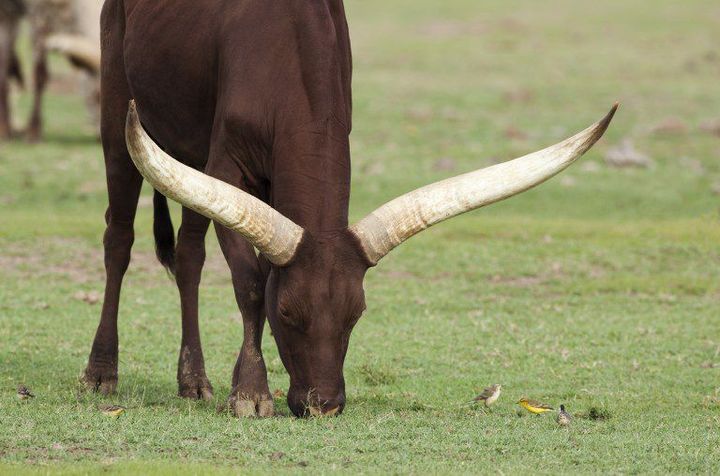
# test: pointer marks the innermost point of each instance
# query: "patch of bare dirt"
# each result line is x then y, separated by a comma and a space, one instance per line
424, 114
694, 165
627, 155
590, 167
76, 261
517, 281
90, 297
568, 181
444, 164
670, 126
715, 189
711, 126
452, 29
512, 132
519, 96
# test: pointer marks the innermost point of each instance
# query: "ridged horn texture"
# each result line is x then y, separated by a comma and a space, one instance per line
80, 49
405, 216
274, 235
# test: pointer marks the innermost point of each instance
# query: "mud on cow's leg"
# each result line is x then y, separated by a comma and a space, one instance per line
190, 257
250, 395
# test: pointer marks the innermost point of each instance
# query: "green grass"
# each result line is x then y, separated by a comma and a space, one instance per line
598, 292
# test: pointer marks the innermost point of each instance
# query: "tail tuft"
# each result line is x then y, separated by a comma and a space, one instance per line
164, 233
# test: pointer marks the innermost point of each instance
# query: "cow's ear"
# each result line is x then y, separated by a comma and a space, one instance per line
400, 219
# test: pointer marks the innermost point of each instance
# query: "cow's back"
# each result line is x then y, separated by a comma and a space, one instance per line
253, 64
171, 64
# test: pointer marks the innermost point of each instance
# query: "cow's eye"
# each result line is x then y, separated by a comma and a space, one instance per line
290, 318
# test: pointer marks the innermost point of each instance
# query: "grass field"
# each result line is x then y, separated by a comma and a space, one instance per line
599, 289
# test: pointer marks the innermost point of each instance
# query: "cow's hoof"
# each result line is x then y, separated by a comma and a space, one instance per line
100, 379
192, 381
244, 407
196, 387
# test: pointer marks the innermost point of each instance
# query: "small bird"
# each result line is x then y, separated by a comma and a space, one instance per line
24, 393
533, 406
563, 418
489, 395
112, 410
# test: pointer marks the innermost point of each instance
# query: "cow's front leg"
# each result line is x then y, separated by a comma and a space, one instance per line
250, 395
189, 260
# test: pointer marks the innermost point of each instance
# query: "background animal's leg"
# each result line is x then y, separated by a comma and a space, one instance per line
189, 260
6, 52
124, 183
40, 78
250, 395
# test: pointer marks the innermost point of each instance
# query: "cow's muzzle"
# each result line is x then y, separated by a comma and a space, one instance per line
309, 404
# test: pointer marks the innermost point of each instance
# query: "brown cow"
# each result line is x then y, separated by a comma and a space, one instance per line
256, 94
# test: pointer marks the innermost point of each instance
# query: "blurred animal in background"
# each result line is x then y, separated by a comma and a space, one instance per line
70, 27
11, 11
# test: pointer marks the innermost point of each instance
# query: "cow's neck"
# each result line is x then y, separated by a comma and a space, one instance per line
311, 176
310, 169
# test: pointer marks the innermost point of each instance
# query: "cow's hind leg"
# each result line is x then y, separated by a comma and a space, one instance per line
189, 260
250, 394
6, 52
40, 79
124, 183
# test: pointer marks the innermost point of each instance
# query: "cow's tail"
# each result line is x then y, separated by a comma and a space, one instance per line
164, 233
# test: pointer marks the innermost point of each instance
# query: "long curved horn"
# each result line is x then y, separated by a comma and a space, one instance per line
80, 50
274, 235
403, 217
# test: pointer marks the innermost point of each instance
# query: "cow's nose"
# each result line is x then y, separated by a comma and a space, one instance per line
318, 407
332, 407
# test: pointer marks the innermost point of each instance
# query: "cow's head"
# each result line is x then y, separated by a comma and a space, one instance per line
313, 303
314, 294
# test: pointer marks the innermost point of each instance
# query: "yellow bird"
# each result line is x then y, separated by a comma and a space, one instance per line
533, 406
489, 395
112, 410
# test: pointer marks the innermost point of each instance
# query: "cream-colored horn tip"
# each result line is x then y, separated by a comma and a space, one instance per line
613, 109
602, 126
